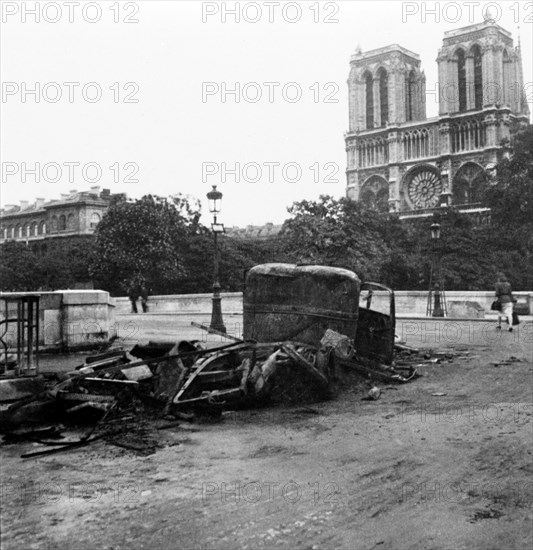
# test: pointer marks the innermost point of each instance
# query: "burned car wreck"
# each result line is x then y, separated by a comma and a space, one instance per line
301, 326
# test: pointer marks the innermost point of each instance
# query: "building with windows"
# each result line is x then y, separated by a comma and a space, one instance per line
398, 160
75, 214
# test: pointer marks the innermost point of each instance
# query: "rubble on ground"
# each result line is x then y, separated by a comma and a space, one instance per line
180, 380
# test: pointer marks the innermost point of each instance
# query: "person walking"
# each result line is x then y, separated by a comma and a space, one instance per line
504, 295
144, 297
133, 295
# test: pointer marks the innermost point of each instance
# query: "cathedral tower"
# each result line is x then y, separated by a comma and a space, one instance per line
480, 68
385, 87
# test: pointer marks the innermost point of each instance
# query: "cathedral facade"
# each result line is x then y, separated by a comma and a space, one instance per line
401, 161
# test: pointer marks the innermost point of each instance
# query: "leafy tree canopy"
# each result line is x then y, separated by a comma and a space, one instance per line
60, 265
511, 196
16, 267
336, 232
145, 239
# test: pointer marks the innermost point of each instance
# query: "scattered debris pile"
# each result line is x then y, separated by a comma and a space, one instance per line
177, 378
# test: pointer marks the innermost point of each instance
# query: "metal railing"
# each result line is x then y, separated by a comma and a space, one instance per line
22, 311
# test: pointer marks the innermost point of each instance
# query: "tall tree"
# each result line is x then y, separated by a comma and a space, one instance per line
17, 267
340, 232
145, 238
510, 197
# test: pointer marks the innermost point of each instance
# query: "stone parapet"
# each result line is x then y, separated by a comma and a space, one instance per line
186, 304
409, 303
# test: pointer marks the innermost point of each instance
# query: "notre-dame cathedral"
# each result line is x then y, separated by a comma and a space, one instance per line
401, 161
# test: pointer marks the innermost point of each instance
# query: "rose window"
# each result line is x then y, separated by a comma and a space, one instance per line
424, 189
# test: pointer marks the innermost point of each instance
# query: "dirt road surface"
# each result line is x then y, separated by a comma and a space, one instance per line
444, 462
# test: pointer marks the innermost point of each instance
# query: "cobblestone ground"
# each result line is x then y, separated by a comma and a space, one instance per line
444, 462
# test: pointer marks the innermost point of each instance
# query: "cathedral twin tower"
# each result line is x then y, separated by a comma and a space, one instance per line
401, 161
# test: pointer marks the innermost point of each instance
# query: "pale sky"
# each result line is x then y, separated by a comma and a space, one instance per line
182, 133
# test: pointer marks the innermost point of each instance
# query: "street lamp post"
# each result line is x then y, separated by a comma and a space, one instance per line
214, 198
435, 288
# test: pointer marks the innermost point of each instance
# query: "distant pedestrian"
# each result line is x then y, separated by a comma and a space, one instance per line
144, 298
504, 295
133, 295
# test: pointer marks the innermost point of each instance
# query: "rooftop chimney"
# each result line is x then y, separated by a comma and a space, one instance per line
24, 205
95, 189
73, 191
39, 202
64, 196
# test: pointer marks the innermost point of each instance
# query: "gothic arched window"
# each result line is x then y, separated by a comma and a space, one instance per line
369, 98
384, 96
478, 78
375, 194
506, 71
62, 222
468, 184
410, 96
461, 79
95, 220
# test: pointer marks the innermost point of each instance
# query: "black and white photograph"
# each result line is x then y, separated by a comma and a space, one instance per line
266, 275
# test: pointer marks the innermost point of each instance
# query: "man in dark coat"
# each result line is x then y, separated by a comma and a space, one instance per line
144, 298
133, 295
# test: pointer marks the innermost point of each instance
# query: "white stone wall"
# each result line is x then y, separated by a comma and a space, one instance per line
408, 303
